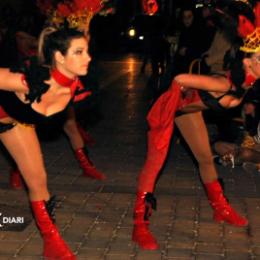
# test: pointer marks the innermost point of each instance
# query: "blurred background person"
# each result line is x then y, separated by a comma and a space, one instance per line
153, 26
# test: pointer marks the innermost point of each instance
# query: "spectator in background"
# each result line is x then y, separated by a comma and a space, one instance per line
195, 34
189, 42
26, 36
153, 27
237, 154
194, 39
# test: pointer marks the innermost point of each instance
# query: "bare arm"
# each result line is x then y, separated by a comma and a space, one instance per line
208, 83
12, 81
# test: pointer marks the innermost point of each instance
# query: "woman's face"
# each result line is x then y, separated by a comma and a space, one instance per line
187, 18
76, 60
255, 64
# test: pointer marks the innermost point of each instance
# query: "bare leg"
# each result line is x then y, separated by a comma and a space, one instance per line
71, 130
23, 145
194, 131
80, 151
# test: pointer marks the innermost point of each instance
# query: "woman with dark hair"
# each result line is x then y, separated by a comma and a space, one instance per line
187, 96
37, 93
26, 46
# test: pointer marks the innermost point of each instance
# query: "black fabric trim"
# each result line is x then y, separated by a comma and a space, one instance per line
5, 127
35, 75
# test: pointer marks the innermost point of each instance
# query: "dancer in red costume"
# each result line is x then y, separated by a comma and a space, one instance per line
74, 13
39, 91
78, 137
187, 96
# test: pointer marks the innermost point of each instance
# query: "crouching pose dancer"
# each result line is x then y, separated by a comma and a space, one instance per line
187, 96
43, 90
76, 15
38, 94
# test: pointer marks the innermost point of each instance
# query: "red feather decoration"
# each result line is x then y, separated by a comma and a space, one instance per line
63, 10
93, 5
150, 6
245, 27
257, 14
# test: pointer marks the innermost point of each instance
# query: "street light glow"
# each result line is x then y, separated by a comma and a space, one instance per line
132, 32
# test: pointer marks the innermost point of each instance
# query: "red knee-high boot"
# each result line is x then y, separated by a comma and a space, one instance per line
88, 168
87, 138
160, 119
223, 212
144, 200
54, 246
15, 180
144, 204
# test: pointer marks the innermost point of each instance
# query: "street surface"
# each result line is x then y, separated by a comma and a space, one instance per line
95, 217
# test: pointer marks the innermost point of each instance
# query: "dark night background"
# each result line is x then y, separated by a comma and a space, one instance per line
109, 31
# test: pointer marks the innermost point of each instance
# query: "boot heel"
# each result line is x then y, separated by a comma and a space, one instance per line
144, 238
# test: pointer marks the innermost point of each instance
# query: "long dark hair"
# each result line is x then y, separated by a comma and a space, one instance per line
227, 21
52, 40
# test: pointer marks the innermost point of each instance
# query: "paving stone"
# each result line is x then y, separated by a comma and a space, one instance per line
9, 247
207, 257
209, 248
151, 255
33, 247
237, 256
179, 252
90, 253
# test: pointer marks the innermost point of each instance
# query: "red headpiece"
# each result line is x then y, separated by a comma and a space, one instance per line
250, 32
150, 7
77, 13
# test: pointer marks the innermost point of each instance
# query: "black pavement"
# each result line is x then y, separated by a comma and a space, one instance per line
95, 217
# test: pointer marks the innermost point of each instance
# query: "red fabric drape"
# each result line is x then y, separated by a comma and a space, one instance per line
161, 116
